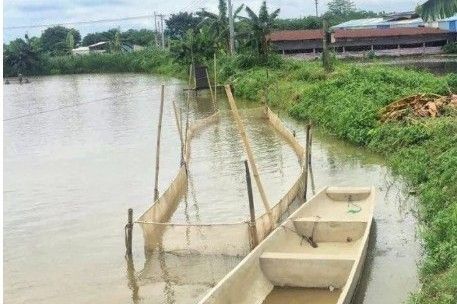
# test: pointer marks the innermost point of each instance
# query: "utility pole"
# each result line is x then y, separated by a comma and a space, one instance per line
231, 28
155, 29
162, 30
317, 13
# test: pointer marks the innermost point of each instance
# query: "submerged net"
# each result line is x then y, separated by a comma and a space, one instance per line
227, 239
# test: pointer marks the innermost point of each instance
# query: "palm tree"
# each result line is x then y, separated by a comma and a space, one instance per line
219, 23
260, 26
433, 9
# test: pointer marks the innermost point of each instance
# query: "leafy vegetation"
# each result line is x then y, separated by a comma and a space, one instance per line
433, 9
54, 40
347, 103
450, 48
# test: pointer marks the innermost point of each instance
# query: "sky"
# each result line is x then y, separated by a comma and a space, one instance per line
38, 12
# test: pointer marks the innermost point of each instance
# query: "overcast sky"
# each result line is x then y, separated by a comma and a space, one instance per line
34, 12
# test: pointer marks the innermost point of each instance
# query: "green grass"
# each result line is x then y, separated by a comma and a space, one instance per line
346, 103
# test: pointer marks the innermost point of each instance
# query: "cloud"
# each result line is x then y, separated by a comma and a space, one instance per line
32, 12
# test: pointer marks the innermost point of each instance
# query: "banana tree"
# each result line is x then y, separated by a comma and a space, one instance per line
219, 24
435, 9
260, 27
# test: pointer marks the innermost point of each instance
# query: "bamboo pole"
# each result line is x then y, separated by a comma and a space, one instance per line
178, 125
249, 153
307, 160
159, 131
210, 90
252, 222
128, 232
215, 79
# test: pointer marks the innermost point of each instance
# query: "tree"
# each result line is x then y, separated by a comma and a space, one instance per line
344, 10
116, 43
70, 41
433, 9
341, 7
21, 56
93, 38
179, 24
196, 46
308, 23
54, 39
260, 27
139, 37
218, 24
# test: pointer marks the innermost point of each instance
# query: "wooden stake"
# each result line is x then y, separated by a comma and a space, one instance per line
159, 131
252, 222
178, 125
210, 90
307, 159
128, 232
249, 153
215, 79
190, 76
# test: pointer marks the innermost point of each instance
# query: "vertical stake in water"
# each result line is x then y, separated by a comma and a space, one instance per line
215, 79
210, 90
252, 222
159, 131
307, 159
128, 233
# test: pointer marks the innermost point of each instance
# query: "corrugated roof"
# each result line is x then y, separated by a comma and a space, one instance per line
353, 33
296, 35
388, 32
360, 23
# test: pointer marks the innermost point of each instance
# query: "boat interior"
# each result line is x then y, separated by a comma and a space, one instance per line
314, 255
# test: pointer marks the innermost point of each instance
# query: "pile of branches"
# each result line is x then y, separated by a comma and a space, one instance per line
420, 105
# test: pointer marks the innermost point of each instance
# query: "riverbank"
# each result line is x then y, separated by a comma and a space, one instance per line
346, 103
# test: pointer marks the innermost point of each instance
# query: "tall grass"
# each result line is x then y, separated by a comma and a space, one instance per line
347, 103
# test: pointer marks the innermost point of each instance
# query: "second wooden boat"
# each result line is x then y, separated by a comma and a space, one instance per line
315, 256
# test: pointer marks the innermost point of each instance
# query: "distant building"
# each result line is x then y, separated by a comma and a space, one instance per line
448, 24
356, 42
82, 50
395, 20
104, 47
99, 47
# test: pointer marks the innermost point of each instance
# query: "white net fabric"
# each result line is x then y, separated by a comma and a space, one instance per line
233, 239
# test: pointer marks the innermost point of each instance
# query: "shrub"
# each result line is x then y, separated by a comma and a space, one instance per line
450, 48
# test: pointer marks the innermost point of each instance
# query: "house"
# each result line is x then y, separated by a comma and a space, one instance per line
356, 42
104, 47
82, 50
449, 24
99, 47
394, 20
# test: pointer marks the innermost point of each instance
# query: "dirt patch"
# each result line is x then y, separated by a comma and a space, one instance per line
420, 105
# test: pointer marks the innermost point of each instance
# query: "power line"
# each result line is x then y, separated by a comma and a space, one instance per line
78, 22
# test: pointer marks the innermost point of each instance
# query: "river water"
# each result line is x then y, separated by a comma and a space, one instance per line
80, 149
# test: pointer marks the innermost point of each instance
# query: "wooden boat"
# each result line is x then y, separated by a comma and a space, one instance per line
315, 256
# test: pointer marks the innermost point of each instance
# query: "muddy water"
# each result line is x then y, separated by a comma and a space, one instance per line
79, 151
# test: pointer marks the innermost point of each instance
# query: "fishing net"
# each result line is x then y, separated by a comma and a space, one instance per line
227, 239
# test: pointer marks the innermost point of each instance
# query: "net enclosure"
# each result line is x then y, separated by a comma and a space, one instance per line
227, 239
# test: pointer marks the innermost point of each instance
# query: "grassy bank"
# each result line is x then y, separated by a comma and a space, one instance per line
146, 61
346, 103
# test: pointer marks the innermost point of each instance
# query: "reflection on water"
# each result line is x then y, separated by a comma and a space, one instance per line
70, 175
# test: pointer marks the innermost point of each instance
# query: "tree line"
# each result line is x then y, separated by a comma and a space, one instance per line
192, 36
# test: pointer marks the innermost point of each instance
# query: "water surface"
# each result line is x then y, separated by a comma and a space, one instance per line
79, 150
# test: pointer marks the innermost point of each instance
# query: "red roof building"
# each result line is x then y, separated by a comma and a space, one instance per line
356, 40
